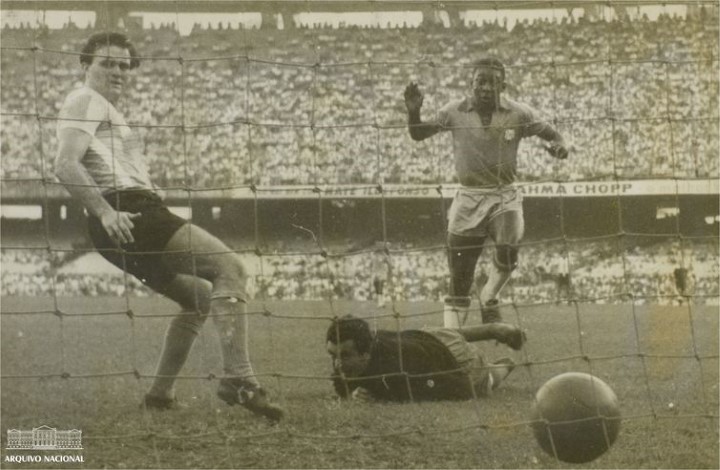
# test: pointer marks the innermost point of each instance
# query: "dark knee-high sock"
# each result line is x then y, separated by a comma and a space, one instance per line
179, 339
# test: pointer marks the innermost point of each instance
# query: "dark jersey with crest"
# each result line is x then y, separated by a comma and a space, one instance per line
408, 366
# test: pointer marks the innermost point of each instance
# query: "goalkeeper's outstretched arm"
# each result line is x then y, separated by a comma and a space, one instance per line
413, 102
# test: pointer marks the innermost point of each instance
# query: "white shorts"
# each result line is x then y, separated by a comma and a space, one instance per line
472, 209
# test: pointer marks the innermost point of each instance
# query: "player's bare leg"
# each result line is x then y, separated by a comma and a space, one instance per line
506, 229
463, 254
194, 251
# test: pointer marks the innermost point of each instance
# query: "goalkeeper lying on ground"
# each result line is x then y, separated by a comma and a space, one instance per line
438, 363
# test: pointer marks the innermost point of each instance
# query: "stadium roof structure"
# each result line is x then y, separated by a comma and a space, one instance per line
295, 6
110, 12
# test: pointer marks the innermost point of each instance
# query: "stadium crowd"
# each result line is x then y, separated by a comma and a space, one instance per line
39, 272
597, 272
224, 107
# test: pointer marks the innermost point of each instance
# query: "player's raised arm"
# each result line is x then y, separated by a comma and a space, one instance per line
413, 102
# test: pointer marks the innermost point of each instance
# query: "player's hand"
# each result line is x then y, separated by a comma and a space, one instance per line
119, 225
361, 395
557, 150
413, 97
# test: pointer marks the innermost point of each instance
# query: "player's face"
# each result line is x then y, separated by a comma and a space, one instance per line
347, 359
108, 71
487, 85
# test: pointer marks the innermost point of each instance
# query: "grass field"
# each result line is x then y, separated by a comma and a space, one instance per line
652, 356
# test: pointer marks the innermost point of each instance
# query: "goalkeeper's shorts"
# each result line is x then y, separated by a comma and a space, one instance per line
467, 357
152, 231
472, 209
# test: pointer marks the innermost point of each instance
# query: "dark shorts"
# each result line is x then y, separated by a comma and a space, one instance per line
466, 355
152, 231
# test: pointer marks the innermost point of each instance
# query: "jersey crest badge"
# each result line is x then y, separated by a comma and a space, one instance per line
509, 134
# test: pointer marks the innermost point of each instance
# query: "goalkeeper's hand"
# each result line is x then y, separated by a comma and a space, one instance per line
413, 97
557, 150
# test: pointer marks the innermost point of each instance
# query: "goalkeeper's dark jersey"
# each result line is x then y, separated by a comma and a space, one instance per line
410, 365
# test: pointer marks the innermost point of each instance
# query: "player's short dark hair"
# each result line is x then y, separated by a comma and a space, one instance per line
350, 328
108, 38
489, 62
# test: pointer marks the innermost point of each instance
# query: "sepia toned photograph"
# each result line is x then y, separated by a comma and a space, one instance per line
372, 234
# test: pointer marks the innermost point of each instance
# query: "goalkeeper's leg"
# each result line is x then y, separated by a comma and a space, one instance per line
463, 254
505, 333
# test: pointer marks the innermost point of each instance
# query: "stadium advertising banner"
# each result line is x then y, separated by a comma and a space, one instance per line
545, 189
29, 192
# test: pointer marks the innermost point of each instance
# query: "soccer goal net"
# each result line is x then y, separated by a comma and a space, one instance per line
280, 127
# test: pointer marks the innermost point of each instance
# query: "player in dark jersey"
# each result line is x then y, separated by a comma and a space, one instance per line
100, 161
416, 365
487, 129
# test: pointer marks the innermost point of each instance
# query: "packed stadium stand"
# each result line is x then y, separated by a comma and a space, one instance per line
636, 99
598, 271
228, 107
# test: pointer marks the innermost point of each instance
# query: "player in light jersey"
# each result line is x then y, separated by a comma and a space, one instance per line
486, 130
100, 162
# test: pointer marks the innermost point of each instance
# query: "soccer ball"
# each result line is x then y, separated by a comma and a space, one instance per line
576, 417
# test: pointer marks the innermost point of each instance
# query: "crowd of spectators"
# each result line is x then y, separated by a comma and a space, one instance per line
595, 271
635, 99
233, 107
39, 272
